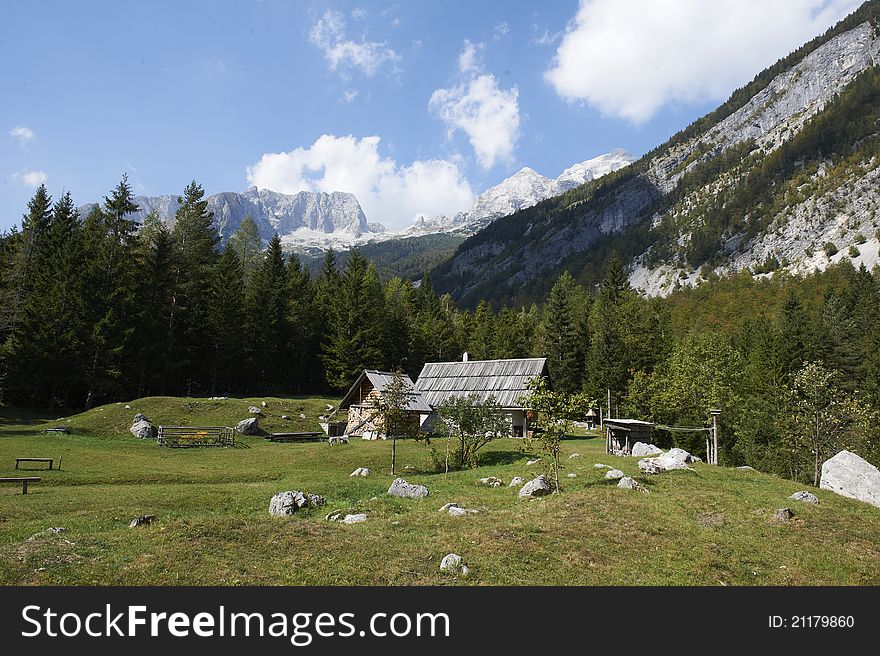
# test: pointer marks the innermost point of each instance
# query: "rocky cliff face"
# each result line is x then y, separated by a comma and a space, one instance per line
688, 203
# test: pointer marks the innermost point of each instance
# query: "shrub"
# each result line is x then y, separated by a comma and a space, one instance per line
861, 239
830, 249
854, 251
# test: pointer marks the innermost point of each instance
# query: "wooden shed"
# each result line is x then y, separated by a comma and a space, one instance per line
506, 380
361, 400
622, 434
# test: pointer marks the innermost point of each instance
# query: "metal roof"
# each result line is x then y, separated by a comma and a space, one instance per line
506, 380
380, 381
628, 424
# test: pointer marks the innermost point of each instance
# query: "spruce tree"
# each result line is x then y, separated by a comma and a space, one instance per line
564, 355
226, 319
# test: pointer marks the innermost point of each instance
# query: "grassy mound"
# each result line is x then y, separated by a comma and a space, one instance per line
709, 526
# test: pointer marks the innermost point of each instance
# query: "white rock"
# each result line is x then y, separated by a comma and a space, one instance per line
641, 450
599, 465
142, 429
628, 483
806, 497
357, 518
851, 476
264, 404
537, 487
574, 455
614, 474
360, 471
516, 480
288, 503
302, 415
400, 488
532, 462
572, 475
337, 440
453, 564
248, 426
491, 481
254, 410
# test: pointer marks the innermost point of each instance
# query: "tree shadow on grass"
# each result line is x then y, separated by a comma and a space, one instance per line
493, 458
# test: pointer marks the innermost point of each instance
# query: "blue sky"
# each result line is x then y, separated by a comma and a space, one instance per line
413, 106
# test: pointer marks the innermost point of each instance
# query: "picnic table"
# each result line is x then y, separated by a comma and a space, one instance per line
24, 481
295, 437
49, 460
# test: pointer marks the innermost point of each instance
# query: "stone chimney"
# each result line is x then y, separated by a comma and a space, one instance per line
464, 358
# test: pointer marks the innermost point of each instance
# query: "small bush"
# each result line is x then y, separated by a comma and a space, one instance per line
861, 239
830, 249
854, 251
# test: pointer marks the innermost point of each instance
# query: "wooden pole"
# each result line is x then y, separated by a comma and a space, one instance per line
715, 439
609, 403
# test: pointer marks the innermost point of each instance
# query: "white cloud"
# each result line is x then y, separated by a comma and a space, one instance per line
469, 59
349, 95
22, 134
32, 179
342, 53
388, 192
501, 30
479, 107
629, 59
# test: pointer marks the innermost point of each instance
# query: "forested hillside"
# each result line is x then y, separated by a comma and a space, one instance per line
782, 176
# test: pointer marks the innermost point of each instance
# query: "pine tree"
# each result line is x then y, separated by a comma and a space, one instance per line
226, 319
108, 236
267, 312
195, 242
248, 246
564, 352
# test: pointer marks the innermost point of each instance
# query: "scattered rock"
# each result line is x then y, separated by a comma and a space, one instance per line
140, 416
400, 488
143, 520
782, 516
248, 426
409, 468
572, 475
678, 455
264, 404
574, 455
599, 465
453, 564
806, 497
285, 417
302, 415
288, 503
455, 510
516, 480
537, 487
532, 462
627, 483
642, 450
53, 530
746, 468
851, 476
128, 407
336, 440
142, 429
491, 481
649, 466
357, 518
614, 474
360, 471
254, 410
329, 407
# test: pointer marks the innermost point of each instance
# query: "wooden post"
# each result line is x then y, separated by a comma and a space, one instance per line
609, 403
714, 412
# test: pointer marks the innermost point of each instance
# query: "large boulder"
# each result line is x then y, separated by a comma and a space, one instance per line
851, 476
400, 488
248, 426
614, 474
254, 410
642, 450
668, 461
627, 483
288, 503
142, 429
537, 487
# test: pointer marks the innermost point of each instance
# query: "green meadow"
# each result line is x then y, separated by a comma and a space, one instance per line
709, 526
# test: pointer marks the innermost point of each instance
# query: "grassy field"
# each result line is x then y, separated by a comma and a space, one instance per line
710, 526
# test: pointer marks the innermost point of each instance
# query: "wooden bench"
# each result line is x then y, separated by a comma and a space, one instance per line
295, 437
192, 436
24, 481
49, 460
